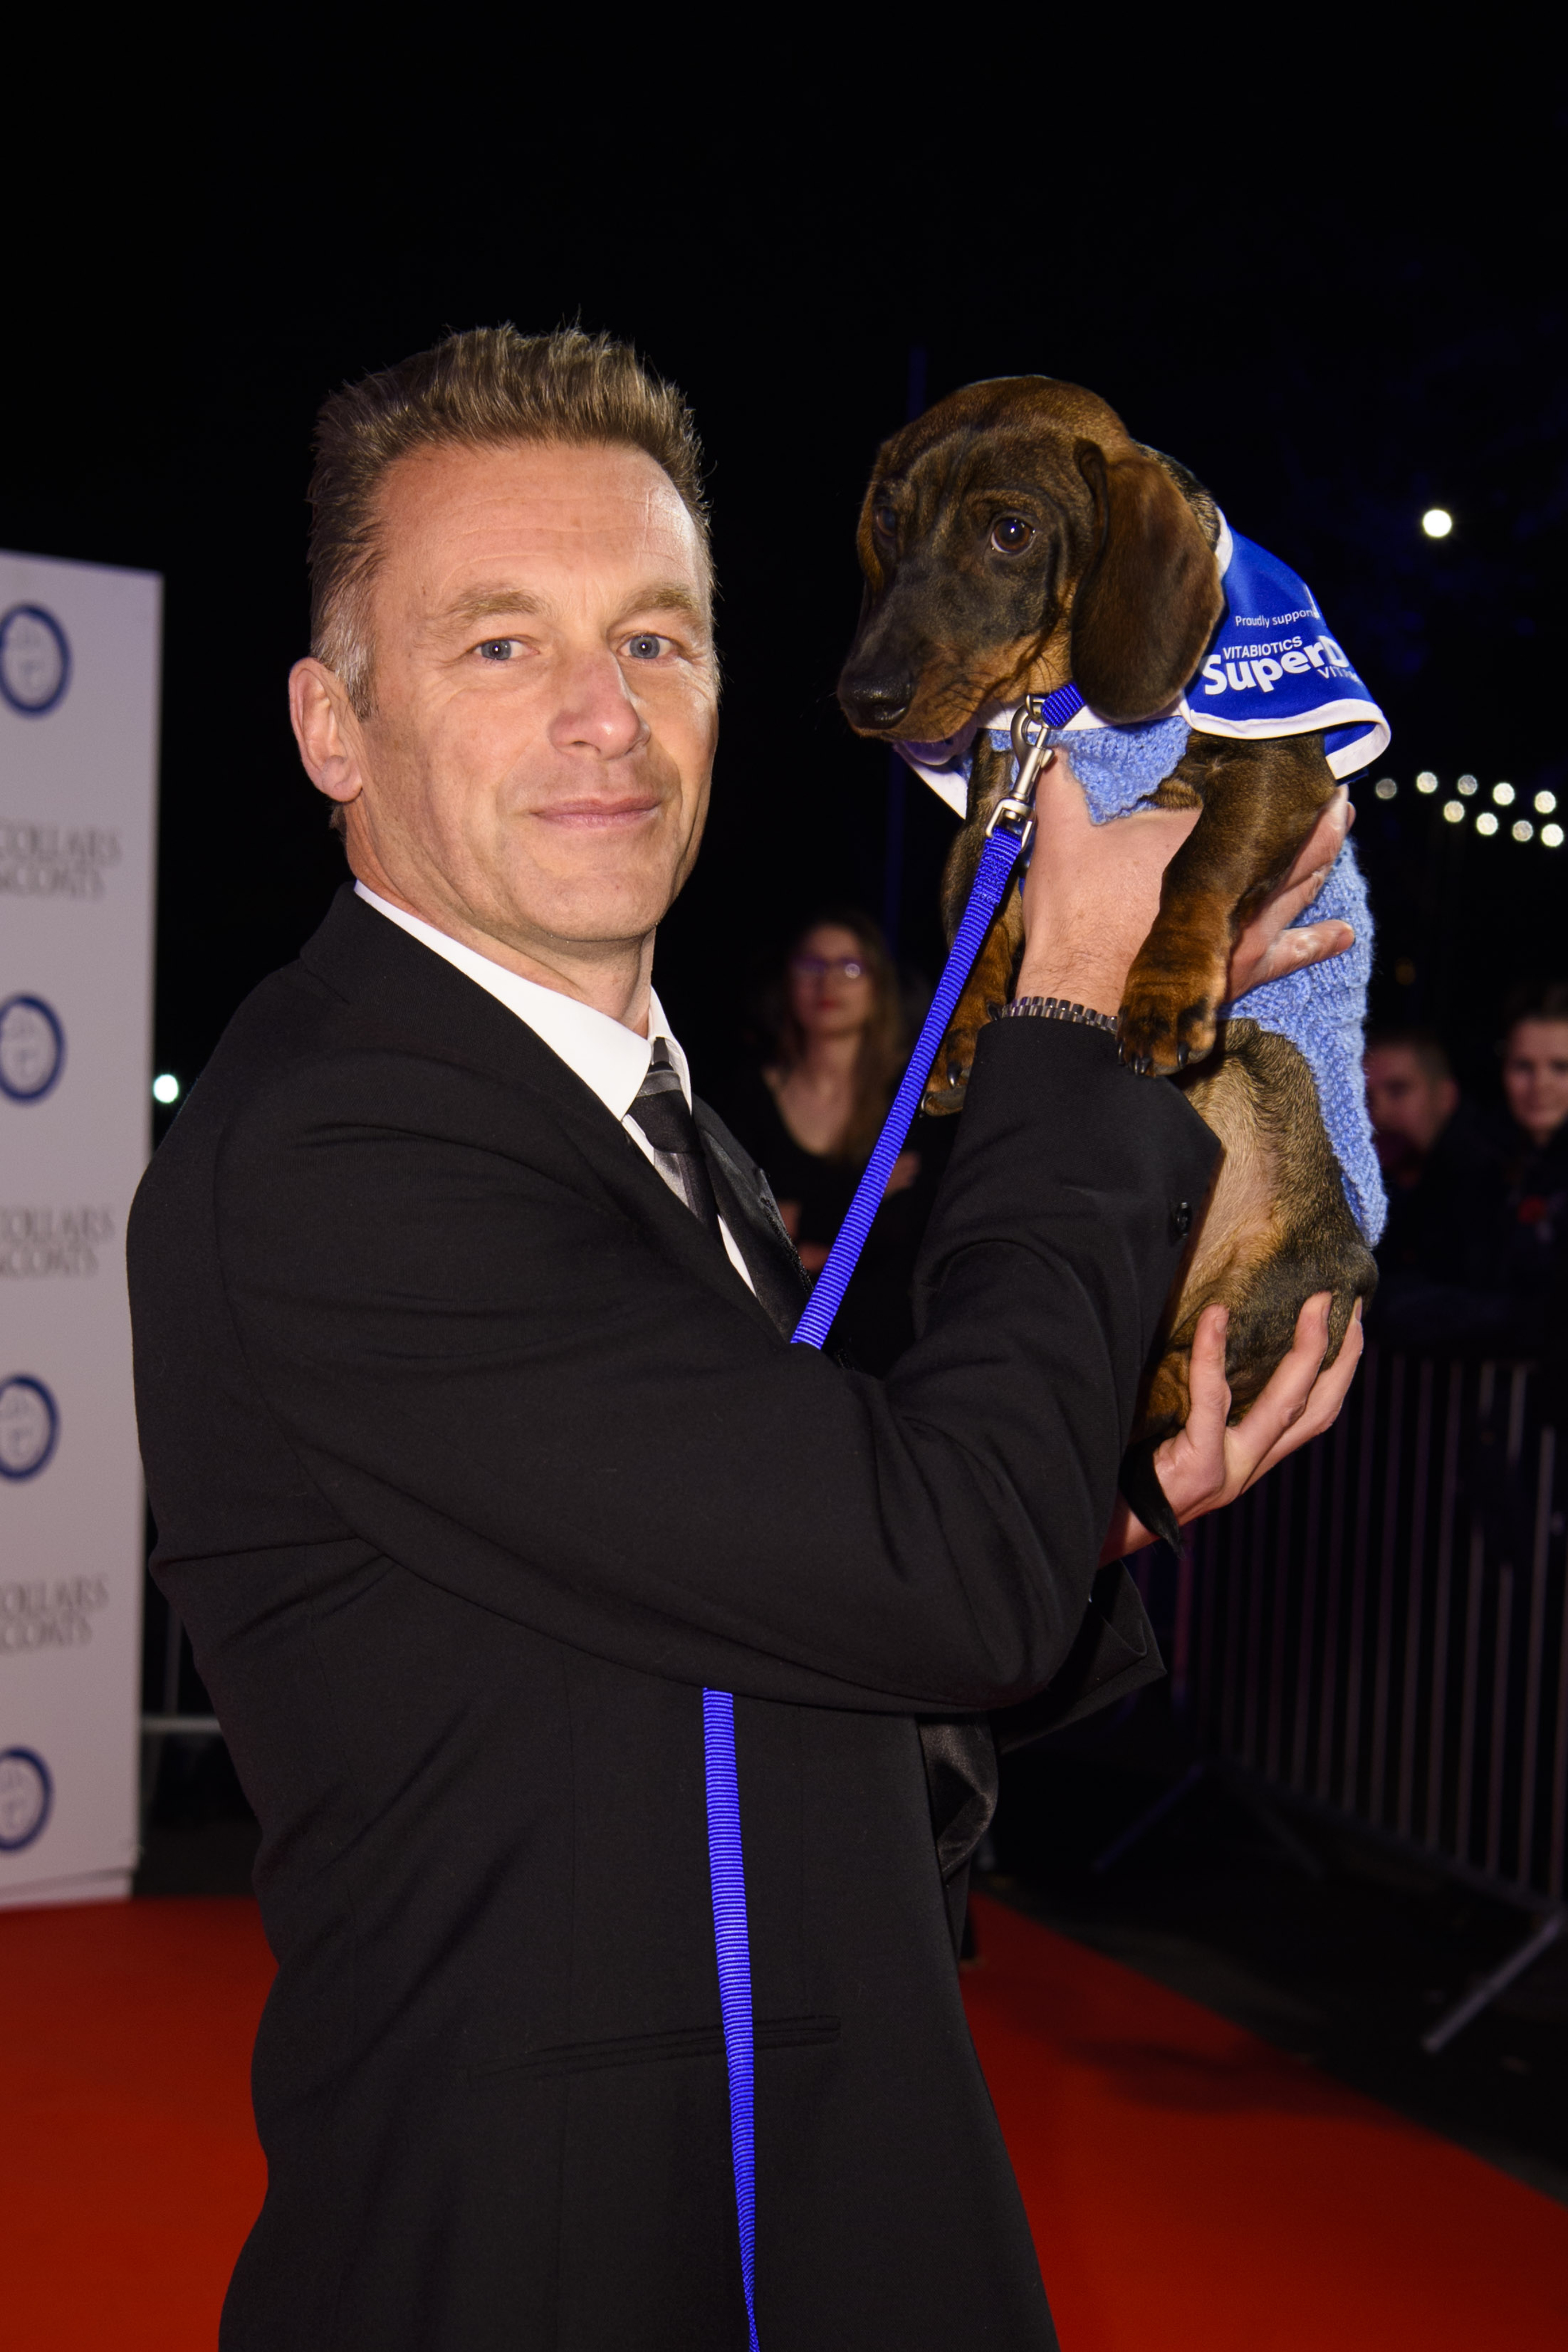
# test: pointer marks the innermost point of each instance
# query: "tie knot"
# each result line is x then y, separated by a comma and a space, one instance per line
660, 1109
661, 1112
663, 1077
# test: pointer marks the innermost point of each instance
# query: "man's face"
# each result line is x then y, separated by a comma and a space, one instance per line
1407, 1105
537, 761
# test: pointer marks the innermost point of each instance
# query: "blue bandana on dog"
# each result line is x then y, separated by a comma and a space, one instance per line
1272, 669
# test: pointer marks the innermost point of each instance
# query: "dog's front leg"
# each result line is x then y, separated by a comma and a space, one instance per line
1259, 802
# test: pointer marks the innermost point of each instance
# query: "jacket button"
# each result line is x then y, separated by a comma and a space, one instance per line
1181, 1219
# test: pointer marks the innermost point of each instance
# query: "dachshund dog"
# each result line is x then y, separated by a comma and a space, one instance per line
1012, 538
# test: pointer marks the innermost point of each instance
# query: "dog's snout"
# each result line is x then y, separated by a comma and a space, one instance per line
875, 703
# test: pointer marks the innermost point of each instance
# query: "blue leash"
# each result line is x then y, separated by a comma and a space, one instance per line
727, 1875
1011, 828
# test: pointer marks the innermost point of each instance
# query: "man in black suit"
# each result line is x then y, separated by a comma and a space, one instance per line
478, 1450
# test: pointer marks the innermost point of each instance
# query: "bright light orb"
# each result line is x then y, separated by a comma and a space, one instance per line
1453, 811
1467, 785
1425, 782
1545, 804
1437, 522
165, 1087
1552, 834
1503, 795
1385, 788
1522, 830
1486, 823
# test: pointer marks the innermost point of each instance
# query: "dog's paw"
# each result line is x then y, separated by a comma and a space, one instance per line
949, 1079
1166, 1021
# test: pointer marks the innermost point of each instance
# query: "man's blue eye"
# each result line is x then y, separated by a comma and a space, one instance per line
645, 648
497, 649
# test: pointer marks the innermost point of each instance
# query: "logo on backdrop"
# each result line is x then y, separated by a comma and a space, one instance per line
55, 861
35, 660
32, 1048
26, 1795
29, 1426
52, 1240
38, 1615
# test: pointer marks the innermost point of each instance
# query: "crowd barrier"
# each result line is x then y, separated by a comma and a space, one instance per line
1377, 1634
169, 1682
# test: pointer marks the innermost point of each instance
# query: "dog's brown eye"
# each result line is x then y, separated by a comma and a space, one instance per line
1010, 534
886, 522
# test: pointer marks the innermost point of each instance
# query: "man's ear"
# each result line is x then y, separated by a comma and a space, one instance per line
1446, 1098
327, 730
1151, 598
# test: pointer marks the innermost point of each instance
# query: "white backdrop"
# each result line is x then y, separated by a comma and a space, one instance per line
79, 717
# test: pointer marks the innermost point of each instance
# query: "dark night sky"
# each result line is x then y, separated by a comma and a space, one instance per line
1335, 319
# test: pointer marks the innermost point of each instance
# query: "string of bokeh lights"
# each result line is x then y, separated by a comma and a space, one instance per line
1487, 822
1438, 523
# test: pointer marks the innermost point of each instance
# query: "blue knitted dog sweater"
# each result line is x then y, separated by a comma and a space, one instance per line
1264, 648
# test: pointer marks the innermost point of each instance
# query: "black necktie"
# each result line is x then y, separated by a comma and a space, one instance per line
660, 1110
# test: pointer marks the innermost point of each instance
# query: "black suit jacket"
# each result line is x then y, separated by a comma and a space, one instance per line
472, 1461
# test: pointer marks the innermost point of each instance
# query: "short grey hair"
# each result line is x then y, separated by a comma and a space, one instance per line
485, 388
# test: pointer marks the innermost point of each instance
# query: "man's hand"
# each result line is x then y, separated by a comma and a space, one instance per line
1093, 891
1267, 948
1207, 1464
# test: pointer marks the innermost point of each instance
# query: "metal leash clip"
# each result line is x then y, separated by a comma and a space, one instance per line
1032, 750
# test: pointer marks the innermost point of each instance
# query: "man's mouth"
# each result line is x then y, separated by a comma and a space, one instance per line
601, 812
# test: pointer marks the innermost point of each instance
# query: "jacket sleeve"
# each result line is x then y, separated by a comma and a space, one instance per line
512, 1390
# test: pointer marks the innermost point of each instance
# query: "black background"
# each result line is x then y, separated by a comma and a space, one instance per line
1337, 313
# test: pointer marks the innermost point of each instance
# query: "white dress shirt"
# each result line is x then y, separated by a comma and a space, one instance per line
610, 1059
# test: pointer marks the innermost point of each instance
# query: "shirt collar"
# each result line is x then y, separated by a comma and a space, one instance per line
610, 1059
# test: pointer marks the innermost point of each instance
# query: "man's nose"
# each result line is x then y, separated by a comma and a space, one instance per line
597, 713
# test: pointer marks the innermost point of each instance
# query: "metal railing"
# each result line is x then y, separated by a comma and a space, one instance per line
1378, 1633
168, 1720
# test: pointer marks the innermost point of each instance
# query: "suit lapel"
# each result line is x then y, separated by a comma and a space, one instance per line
747, 1204
419, 999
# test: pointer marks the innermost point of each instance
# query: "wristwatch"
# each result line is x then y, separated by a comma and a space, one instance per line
1054, 1008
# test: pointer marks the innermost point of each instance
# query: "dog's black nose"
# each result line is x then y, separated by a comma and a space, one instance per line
875, 703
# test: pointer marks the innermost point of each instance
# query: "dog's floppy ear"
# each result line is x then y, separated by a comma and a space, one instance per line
1150, 600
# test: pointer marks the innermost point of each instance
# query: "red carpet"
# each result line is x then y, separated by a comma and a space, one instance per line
1193, 2191
1189, 2187
129, 2168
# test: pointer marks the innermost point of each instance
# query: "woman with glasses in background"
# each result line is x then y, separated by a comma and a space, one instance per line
837, 1045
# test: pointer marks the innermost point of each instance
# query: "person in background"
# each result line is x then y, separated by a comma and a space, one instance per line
1411, 1098
1533, 1140
1438, 1263
810, 1113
